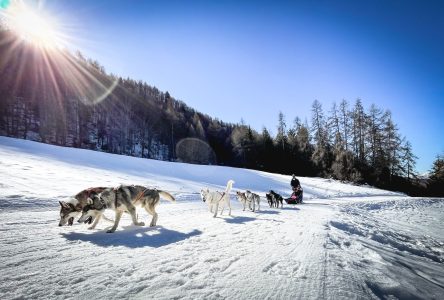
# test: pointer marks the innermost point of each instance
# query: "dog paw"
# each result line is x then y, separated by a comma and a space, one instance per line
90, 228
140, 224
110, 231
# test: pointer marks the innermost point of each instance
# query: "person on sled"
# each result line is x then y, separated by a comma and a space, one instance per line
296, 196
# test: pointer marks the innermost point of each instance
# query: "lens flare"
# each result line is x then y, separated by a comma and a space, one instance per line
31, 25
5, 3
52, 66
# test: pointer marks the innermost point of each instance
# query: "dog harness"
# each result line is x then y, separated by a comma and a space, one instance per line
139, 196
222, 196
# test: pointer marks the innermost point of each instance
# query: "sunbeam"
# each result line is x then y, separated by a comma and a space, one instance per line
37, 39
32, 25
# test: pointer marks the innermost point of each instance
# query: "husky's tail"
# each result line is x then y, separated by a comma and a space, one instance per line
229, 186
167, 196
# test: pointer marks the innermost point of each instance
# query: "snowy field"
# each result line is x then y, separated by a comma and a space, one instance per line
345, 242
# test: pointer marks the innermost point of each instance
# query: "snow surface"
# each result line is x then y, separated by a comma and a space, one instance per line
346, 242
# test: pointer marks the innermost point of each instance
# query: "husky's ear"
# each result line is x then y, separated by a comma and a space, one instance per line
64, 204
89, 201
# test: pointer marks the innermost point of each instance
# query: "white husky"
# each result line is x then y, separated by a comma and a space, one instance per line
215, 198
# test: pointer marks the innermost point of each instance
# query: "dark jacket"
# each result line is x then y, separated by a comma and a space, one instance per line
295, 182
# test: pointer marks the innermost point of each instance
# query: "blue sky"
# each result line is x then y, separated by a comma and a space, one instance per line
252, 59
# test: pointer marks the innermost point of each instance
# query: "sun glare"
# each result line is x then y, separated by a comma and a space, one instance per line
32, 26
55, 68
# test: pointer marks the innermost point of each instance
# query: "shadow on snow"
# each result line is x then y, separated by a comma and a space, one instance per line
239, 220
268, 212
133, 237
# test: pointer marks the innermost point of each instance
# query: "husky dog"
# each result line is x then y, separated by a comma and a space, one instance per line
270, 199
73, 207
277, 198
243, 199
125, 199
254, 199
204, 194
215, 198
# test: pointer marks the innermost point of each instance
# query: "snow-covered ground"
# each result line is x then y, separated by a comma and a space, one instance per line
346, 242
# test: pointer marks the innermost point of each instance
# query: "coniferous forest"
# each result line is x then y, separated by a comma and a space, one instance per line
66, 99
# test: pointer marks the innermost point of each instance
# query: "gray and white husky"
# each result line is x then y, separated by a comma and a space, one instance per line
74, 206
249, 198
242, 197
124, 199
254, 199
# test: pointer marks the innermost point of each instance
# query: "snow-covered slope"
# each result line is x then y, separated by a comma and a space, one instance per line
346, 242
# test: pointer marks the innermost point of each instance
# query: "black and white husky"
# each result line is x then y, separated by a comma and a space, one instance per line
270, 199
216, 199
124, 199
276, 198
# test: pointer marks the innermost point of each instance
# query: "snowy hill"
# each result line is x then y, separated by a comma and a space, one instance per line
346, 242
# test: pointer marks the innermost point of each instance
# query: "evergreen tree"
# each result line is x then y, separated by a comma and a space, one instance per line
318, 125
344, 117
334, 128
322, 156
437, 172
266, 150
359, 129
409, 160
281, 137
304, 164
436, 180
391, 144
374, 133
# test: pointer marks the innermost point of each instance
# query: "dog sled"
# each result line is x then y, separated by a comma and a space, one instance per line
296, 197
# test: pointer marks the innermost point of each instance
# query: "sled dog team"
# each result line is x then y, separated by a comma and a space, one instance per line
92, 203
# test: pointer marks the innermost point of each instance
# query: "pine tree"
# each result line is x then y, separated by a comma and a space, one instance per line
409, 160
436, 180
292, 138
334, 129
391, 146
305, 151
342, 165
374, 133
437, 172
266, 151
359, 128
344, 117
322, 156
318, 125
281, 137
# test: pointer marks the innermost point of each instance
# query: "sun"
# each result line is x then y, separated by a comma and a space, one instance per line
32, 26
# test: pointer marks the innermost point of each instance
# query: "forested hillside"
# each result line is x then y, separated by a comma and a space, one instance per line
56, 97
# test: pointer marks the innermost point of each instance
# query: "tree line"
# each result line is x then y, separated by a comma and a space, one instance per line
66, 99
